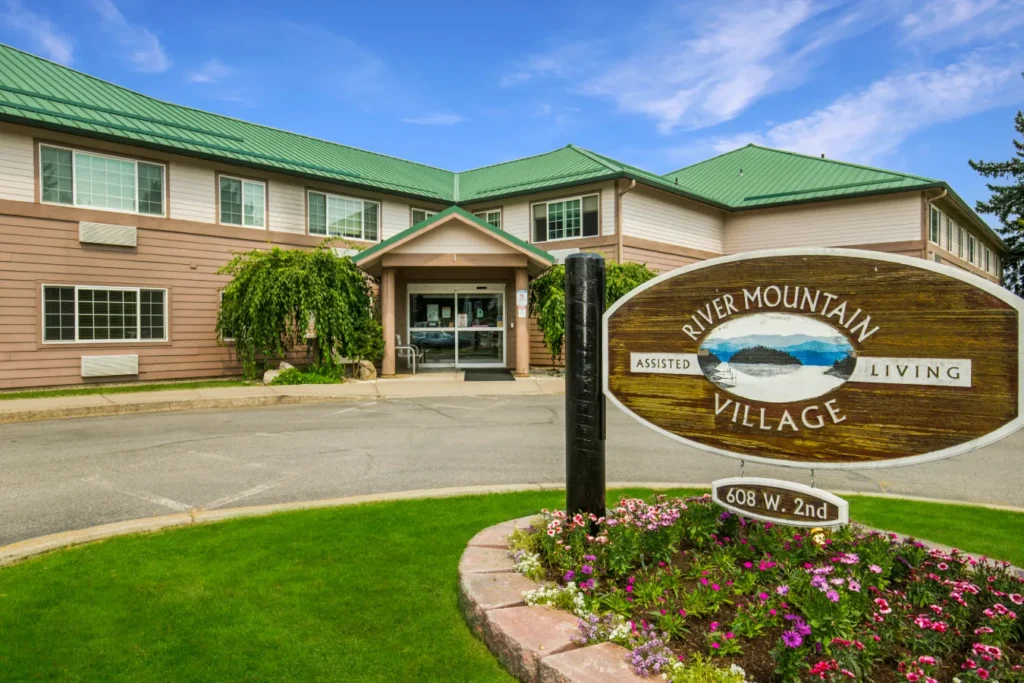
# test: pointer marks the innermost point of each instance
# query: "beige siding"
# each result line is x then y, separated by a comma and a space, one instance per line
287, 207
192, 193
656, 216
659, 261
454, 239
395, 217
16, 166
885, 218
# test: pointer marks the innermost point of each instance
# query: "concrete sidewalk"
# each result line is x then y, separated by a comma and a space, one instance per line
419, 386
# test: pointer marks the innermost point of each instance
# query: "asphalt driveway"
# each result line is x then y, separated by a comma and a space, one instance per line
69, 474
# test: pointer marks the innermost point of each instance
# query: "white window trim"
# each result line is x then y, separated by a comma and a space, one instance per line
220, 202
74, 181
351, 199
935, 226
567, 199
138, 315
482, 215
428, 213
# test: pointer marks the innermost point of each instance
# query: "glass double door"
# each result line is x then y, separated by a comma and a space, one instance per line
458, 327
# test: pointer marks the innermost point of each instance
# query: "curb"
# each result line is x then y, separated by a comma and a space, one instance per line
288, 397
21, 550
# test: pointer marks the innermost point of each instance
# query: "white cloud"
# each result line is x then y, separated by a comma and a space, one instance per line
939, 23
51, 42
213, 70
141, 46
867, 125
691, 72
436, 119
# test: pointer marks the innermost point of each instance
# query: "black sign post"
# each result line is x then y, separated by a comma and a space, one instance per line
584, 400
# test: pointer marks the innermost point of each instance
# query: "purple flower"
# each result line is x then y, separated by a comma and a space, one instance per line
792, 639
587, 569
832, 596
782, 590
569, 575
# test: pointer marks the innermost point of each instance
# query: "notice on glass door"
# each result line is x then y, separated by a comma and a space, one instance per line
463, 320
432, 313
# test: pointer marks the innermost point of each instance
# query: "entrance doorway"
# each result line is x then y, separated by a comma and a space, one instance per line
458, 325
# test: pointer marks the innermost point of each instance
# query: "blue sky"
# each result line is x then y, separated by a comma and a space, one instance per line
912, 85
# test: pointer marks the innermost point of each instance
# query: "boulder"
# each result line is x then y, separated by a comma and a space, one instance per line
285, 365
269, 376
365, 370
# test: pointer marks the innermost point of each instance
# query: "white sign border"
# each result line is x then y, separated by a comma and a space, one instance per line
974, 280
792, 486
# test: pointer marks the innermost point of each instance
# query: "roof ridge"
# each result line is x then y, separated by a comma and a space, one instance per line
704, 161
512, 161
841, 162
211, 113
598, 158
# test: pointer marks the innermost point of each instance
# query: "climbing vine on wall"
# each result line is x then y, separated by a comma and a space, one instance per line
547, 298
276, 296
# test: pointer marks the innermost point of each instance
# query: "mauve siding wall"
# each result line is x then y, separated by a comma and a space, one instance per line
35, 250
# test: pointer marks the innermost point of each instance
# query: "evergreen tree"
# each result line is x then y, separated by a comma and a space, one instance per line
1007, 203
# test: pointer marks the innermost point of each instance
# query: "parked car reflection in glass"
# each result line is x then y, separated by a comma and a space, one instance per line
438, 340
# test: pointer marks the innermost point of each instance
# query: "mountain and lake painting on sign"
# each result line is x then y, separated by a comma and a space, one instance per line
776, 357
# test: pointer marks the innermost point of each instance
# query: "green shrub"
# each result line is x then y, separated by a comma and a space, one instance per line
547, 298
295, 376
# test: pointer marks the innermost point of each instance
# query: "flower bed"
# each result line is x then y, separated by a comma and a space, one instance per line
696, 594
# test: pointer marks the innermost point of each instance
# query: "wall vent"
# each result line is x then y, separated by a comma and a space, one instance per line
104, 233
109, 366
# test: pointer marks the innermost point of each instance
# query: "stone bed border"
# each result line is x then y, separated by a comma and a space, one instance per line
534, 642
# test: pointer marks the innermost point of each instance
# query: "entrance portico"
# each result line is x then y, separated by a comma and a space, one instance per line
452, 285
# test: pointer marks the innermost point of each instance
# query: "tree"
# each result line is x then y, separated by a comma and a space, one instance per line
275, 296
547, 298
1007, 203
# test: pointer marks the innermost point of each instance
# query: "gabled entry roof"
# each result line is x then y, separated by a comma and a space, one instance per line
369, 259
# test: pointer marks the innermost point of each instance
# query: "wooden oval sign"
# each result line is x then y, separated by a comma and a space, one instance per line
819, 358
783, 502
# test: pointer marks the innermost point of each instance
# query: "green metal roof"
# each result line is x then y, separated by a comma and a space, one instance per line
440, 217
38, 92
754, 176
42, 93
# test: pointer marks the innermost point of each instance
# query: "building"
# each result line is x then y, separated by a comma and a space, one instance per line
116, 210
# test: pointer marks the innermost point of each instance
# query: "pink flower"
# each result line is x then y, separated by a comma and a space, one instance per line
875, 569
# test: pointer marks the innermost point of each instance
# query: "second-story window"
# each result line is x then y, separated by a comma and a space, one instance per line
420, 215
99, 181
934, 233
565, 219
492, 216
242, 202
336, 216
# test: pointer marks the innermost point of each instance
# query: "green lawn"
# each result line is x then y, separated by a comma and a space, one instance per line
366, 593
122, 389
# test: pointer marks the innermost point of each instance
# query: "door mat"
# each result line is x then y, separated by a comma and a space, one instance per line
496, 375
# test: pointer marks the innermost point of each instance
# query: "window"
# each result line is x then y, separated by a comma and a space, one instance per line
961, 243
970, 248
95, 314
988, 259
337, 216
242, 202
420, 215
936, 225
101, 182
565, 219
949, 233
492, 216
